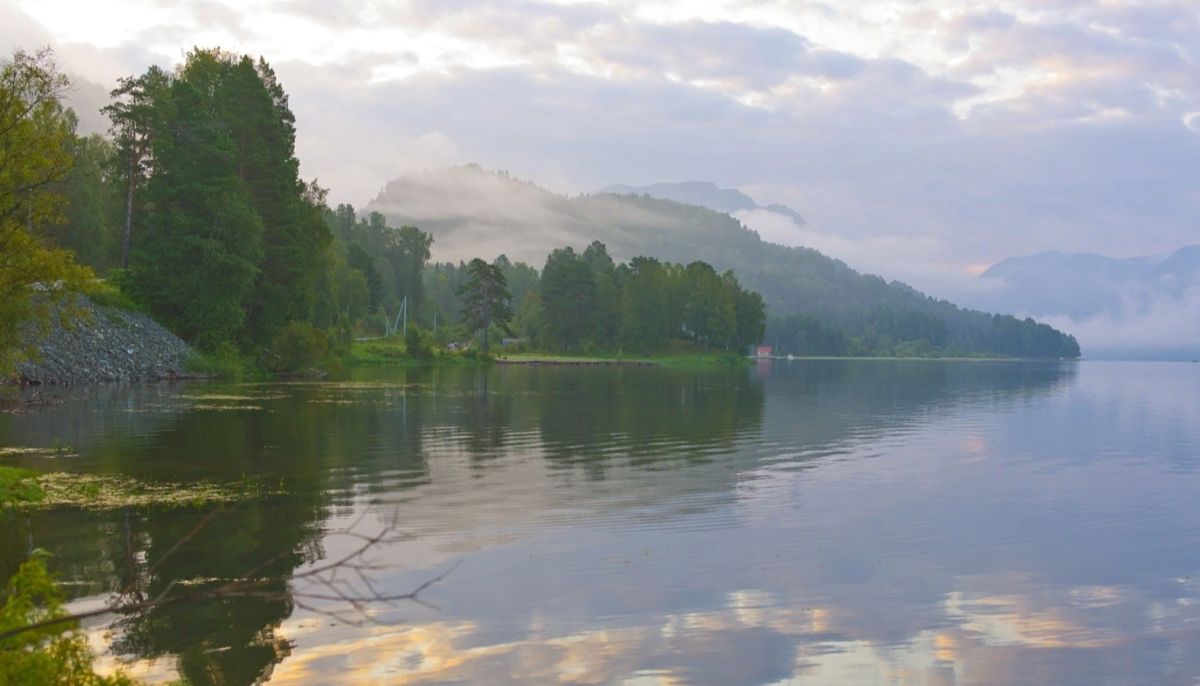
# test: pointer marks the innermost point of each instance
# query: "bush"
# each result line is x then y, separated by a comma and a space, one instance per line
345, 333
54, 654
222, 363
417, 346
298, 346
109, 294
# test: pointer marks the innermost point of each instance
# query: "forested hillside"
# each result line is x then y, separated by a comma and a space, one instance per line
194, 209
817, 305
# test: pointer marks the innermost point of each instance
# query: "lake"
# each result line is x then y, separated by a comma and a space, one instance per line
815, 522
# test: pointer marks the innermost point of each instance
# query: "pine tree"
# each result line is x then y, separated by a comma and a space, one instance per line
568, 291
135, 103
203, 241
485, 299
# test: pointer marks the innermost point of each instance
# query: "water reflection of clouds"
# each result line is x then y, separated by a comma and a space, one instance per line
752, 638
968, 533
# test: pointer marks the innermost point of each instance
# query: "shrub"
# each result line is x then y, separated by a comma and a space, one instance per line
343, 338
54, 654
224, 362
299, 345
416, 345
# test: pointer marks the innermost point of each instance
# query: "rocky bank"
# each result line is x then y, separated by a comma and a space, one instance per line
106, 344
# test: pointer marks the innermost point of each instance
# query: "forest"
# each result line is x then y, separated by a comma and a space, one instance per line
468, 206
193, 210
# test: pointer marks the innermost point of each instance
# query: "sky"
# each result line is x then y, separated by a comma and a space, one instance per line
922, 140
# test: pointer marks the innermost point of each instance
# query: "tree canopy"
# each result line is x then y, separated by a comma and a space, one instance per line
36, 134
485, 299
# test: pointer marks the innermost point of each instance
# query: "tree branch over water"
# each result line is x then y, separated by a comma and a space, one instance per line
342, 589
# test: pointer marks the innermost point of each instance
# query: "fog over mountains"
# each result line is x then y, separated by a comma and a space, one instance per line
472, 212
1138, 307
731, 201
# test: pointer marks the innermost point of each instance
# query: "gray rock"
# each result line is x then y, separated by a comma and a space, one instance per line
106, 344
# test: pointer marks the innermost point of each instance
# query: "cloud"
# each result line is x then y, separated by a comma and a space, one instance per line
924, 261
1163, 327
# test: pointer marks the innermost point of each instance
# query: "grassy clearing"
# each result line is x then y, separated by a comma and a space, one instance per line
25, 489
677, 354
394, 351
226, 364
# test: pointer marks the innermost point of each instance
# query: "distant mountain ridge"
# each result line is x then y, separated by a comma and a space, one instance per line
704, 194
1087, 284
471, 212
1145, 307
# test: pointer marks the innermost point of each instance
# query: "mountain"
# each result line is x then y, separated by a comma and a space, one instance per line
704, 194
1128, 307
471, 212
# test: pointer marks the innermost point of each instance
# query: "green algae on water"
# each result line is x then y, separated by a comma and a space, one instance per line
25, 489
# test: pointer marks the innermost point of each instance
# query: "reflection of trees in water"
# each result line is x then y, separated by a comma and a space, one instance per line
309, 447
818, 403
216, 641
83, 416
219, 640
486, 417
645, 417
323, 442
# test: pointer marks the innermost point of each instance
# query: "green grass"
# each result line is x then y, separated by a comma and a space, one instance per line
225, 363
109, 294
677, 353
20, 487
393, 351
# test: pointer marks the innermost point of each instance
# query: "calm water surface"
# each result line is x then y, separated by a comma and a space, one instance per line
818, 522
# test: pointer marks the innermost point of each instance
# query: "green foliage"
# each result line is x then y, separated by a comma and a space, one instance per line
568, 293
54, 655
36, 133
137, 103
110, 294
708, 306
391, 350
407, 250
584, 301
357, 258
343, 335
909, 333
298, 346
416, 344
210, 153
804, 335
647, 315
223, 362
197, 260
791, 280
485, 299
19, 486
91, 223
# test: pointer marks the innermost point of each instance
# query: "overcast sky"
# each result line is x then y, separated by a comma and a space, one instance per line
921, 139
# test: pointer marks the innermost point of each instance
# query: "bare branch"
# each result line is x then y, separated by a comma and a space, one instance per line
353, 595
